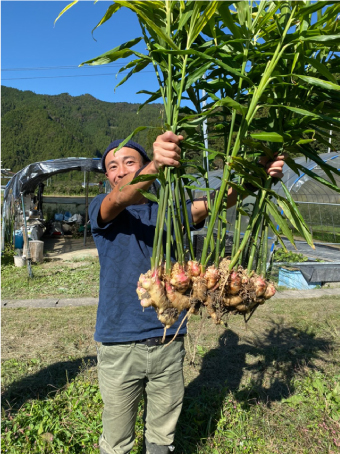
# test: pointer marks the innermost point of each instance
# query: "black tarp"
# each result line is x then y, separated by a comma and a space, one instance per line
28, 179
321, 272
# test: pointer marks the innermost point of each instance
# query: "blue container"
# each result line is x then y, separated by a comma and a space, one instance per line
294, 279
18, 239
59, 217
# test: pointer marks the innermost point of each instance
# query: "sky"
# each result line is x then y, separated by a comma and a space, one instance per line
39, 56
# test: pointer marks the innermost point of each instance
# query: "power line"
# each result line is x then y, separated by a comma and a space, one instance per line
43, 68
59, 77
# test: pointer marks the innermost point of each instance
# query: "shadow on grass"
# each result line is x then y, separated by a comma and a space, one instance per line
277, 353
44, 383
278, 356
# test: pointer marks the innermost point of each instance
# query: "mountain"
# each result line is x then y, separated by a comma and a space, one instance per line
41, 127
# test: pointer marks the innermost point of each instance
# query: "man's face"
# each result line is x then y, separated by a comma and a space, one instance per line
125, 161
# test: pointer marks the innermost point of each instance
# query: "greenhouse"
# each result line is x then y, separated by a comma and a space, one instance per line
318, 204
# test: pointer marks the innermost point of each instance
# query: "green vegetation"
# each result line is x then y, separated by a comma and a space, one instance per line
40, 127
271, 388
281, 255
51, 279
267, 69
73, 185
328, 235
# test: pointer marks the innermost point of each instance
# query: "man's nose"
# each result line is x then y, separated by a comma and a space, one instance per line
121, 172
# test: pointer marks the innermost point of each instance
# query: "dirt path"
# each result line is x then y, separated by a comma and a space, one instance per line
68, 248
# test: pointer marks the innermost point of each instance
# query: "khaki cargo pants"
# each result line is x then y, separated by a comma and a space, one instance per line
125, 372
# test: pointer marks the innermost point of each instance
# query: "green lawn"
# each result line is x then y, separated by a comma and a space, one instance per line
271, 386
51, 279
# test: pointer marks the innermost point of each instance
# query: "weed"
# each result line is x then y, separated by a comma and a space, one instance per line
271, 388
51, 279
281, 255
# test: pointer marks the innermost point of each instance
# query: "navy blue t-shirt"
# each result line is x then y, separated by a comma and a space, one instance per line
125, 247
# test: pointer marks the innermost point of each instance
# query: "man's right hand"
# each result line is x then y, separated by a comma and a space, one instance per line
166, 150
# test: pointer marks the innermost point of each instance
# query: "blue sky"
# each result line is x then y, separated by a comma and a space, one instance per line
29, 40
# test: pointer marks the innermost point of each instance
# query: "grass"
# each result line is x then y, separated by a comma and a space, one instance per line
51, 279
330, 237
271, 386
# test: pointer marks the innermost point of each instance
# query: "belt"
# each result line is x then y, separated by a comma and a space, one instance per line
152, 342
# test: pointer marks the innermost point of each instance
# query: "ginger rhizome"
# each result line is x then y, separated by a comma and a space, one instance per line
218, 290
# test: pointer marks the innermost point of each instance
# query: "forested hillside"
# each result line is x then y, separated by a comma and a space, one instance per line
40, 127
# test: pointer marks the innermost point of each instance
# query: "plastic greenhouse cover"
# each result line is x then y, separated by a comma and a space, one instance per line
293, 181
27, 179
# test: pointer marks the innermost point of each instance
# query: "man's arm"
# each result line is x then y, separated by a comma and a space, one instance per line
199, 207
166, 152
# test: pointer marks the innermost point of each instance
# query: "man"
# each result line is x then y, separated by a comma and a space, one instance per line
132, 361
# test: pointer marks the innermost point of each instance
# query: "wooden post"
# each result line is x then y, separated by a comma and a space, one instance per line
28, 253
86, 204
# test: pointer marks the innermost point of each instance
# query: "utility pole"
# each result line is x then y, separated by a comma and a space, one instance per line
205, 134
330, 140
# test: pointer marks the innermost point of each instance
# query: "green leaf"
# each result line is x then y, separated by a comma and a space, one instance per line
110, 11
321, 68
292, 213
142, 178
306, 10
227, 101
241, 211
197, 74
144, 17
242, 9
152, 98
280, 221
148, 195
267, 136
121, 51
65, 9
41, 429
294, 400
184, 18
189, 177
321, 38
216, 61
316, 177
138, 67
276, 232
319, 82
140, 128
200, 188
309, 114
318, 384
223, 9
273, 7
199, 24
291, 163
304, 141
328, 169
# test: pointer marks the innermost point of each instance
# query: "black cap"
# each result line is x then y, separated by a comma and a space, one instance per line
129, 144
